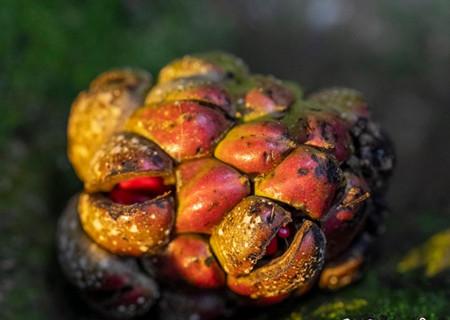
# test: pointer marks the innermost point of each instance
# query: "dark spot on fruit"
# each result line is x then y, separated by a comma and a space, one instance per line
270, 217
319, 171
209, 261
253, 208
266, 156
314, 158
331, 172
157, 160
303, 171
160, 204
199, 150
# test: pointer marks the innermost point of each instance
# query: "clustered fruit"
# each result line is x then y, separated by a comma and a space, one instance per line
217, 187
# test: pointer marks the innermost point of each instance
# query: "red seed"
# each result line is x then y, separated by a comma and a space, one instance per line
142, 183
127, 197
138, 189
272, 248
284, 232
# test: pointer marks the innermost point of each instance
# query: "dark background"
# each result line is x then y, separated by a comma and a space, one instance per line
396, 52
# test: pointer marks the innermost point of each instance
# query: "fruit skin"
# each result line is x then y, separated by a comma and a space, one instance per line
127, 229
255, 147
306, 179
325, 129
101, 111
123, 156
196, 89
225, 187
269, 96
240, 239
296, 268
345, 218
188, 257
184, 129
207, 190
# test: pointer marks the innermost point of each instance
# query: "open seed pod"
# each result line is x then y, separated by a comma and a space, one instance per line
216, 188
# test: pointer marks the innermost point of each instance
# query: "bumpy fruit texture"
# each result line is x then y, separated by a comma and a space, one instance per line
216, 184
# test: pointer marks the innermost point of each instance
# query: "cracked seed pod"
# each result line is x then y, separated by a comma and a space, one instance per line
219, 187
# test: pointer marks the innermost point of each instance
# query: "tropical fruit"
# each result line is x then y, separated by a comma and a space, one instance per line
216, 185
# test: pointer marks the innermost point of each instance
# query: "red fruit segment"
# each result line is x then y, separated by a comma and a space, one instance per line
255, 147
184, 129
307, 179
326, 130
297, 267
269, 97
134, 229
189, 258
345, 219
242, 237
126, 156
207, 190
192, 89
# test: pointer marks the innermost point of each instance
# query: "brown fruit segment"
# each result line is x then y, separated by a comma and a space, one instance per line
113, 285
126, 155
268, 97
207, 190
102, 110
241, 238
325, 130
297, 267
306, 179
212, 66
255, 147
350, 103
184, 129
188, 257
345, 219
136, 229
347, 268
192, 89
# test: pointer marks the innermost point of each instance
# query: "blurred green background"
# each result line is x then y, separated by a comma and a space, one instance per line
397, 52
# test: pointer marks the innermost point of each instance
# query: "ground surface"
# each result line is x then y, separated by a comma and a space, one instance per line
397, 53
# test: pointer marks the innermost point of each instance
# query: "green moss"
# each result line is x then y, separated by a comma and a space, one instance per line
339, 309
